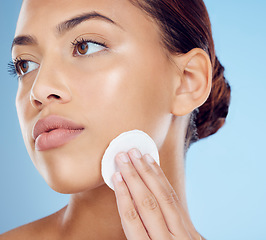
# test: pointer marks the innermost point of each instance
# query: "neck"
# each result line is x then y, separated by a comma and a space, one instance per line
94, 212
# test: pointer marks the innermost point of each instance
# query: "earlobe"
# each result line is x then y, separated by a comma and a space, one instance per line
195, 81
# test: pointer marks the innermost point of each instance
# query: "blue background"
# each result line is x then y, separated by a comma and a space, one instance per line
225, 173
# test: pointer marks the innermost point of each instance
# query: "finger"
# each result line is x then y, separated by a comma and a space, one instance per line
130, 219
162, 190
184, 213
148, 207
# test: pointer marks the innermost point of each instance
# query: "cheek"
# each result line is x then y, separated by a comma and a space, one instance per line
24, 112
27, 116
122, 96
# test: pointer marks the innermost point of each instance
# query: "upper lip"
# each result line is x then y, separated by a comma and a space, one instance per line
53, 122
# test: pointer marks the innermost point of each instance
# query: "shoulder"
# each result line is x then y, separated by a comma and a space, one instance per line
45, 228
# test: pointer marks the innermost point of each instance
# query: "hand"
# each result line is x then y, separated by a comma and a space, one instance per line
148, 206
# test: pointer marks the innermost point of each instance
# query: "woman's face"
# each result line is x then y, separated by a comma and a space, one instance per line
106, 75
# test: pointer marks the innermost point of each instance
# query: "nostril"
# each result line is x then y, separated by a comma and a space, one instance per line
37, 103
54, 96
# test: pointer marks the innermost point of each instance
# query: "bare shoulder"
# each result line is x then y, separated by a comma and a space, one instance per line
44, 228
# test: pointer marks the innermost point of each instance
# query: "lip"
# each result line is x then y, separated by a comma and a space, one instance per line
54, 131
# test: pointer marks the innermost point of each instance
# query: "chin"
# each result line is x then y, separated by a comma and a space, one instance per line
66, 188
71, 184
69, 173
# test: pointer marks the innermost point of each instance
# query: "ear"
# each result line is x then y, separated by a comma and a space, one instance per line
194, 81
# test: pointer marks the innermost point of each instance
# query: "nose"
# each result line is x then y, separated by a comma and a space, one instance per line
50, 86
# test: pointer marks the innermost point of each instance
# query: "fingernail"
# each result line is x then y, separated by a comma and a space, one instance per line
136, 153
149, 158
123, 157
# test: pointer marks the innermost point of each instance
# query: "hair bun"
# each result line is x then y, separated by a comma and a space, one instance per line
212, 114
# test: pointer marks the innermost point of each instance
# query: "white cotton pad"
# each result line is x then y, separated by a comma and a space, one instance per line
123, 143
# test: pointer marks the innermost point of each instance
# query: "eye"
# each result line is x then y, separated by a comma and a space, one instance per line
87, 47
24, 67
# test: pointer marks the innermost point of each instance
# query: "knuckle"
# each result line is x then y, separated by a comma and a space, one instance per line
147, 170
133, 174
131, 215
169, 198
150, 203
174, 196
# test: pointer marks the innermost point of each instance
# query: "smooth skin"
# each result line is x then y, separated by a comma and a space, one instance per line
131, 83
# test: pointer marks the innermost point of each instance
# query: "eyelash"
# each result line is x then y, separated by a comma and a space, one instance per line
83, 40
13, 65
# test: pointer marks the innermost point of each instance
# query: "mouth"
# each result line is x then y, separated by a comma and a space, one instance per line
54, 131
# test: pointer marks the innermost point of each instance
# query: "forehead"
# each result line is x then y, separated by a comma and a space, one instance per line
46, 13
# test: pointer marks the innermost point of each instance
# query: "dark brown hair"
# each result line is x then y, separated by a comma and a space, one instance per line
185, 25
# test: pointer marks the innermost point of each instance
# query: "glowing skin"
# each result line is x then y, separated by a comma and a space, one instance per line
131, 84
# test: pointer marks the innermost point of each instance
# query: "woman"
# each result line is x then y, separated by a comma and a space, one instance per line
90, 70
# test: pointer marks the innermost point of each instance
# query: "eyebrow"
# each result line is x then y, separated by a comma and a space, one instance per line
24, 40
64, 27
70, 24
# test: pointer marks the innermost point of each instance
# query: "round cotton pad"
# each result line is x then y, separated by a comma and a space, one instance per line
123, 143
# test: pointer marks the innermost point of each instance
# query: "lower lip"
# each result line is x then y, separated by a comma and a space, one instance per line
55, 138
